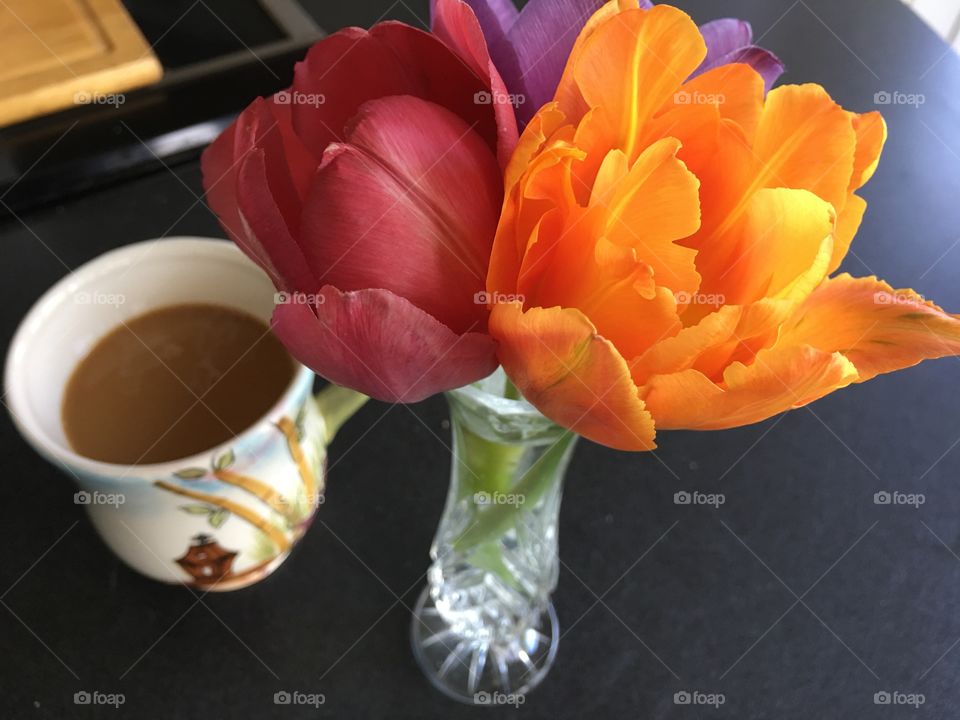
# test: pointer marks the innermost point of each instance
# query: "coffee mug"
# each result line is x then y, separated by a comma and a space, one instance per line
218, 520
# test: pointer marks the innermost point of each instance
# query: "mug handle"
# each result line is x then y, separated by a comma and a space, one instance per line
337, 405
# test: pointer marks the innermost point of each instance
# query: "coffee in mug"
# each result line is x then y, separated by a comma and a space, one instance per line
173, 382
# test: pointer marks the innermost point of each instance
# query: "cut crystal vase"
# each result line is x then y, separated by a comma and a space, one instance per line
484, 629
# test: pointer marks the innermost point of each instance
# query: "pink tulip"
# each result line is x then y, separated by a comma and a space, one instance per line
370, 193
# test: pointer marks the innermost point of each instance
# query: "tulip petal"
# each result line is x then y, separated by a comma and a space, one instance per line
534, 137
627, 315
256, 187
777, 239
732, 333
877, 328
496, 17
737, 91
618, 261
718, 153
871, 130
455, 23
572, 375
653, 206
683, 350
806, 141
221, 165
802, 238
519, 216
779, 379
300, 161
532, 56
764, 62
659, 48
261, 216
848, 223
380, 344
723, 37
729, 41
288, 159
604, 282
568, 96
415, 174
354, 66
345, 70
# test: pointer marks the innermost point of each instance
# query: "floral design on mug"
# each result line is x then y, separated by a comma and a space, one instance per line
279, 520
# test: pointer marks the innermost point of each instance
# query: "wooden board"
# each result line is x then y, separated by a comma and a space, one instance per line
58, 53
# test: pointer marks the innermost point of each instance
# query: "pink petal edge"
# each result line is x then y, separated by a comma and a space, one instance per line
455, 23
382, 345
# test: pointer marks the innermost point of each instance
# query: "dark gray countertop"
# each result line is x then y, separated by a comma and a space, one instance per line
798, 598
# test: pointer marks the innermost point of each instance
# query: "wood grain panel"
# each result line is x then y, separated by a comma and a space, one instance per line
56, 52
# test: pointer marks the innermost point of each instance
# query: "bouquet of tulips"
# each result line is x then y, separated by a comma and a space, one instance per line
606, 200
657, 250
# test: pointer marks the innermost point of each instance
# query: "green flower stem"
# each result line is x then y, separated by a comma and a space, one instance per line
492, 521
489, 466
337, 405
510, 391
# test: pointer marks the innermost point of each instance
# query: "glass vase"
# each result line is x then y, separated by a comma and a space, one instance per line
484, 629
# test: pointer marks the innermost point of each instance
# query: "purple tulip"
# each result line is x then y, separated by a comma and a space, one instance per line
530, 47
731, 41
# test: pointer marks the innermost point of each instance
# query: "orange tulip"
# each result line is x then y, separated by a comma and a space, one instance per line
665, 251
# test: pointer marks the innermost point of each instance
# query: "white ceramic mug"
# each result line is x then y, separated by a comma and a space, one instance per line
218, 520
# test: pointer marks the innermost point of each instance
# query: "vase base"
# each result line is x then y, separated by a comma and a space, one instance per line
479, 671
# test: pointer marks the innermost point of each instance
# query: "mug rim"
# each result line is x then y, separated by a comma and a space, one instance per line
33, 431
